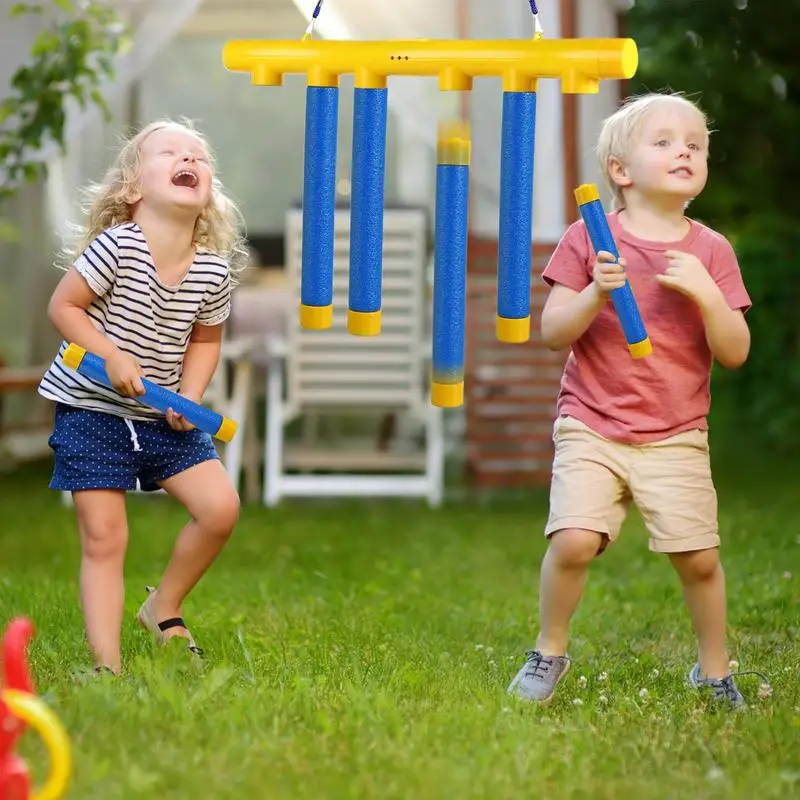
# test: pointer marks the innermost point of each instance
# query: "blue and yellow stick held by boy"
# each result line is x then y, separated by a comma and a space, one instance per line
594, 217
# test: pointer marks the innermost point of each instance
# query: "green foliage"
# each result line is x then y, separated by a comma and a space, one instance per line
742, 66
72, 56
738, 59
764, 395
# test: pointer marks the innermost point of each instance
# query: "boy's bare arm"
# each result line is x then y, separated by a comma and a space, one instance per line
567, 314
727, 332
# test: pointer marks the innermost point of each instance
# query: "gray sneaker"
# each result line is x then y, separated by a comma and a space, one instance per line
724, 689
539, 676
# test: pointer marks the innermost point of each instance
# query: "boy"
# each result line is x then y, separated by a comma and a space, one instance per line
636, 430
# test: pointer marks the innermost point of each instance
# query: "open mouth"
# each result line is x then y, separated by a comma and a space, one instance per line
683, 172
185, 178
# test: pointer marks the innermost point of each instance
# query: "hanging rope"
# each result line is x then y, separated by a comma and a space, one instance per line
310, 29
538, 31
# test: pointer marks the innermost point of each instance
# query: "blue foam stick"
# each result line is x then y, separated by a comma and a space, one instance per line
450, 284
319, 203
366, 211
594, 217
516, 217
155, 396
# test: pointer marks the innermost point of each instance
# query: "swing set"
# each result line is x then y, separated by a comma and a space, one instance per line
579, 64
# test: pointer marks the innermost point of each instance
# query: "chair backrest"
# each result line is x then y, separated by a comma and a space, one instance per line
333, 368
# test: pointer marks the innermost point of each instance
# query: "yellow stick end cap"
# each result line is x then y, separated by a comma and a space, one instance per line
586, 193
641, 349
73, 356
363, 323
629, 58
454, 152
227, 430
447, 395
316, 318
513, 331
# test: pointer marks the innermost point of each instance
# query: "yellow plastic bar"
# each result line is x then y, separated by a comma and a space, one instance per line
31, 710
580, 64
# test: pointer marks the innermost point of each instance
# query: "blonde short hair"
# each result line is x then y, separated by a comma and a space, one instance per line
621, 129
218, 227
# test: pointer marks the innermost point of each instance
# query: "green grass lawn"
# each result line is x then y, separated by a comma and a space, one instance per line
363, 650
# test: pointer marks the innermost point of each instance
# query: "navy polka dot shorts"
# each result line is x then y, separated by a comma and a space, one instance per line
94, 450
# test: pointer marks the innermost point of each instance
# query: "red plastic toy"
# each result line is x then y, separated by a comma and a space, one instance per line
14, 783
20, 707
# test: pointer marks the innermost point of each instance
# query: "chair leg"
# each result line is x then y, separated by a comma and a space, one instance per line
252, 454
273, 438
242, 387
434, 467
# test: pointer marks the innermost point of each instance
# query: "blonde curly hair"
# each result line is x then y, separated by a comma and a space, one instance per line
218, 227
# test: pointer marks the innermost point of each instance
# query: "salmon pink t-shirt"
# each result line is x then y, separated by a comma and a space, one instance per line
643, 400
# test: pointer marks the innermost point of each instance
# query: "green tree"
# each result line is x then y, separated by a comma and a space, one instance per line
71, 58
739, 60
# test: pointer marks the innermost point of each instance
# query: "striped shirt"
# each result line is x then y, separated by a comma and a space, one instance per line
141, 316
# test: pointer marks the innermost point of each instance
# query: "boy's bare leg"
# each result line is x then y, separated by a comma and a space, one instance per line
563, 578
703, 582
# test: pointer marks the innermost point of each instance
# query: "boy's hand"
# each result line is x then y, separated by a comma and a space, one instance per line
125, 374
686, 274
607, 273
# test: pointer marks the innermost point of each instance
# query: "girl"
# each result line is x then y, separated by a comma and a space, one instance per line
148, 290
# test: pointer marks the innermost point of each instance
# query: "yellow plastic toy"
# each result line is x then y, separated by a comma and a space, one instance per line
579, 65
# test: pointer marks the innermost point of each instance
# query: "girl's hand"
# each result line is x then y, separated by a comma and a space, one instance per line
125, 374
177, 421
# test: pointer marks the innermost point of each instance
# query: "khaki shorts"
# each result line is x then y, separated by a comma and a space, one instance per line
594, 481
